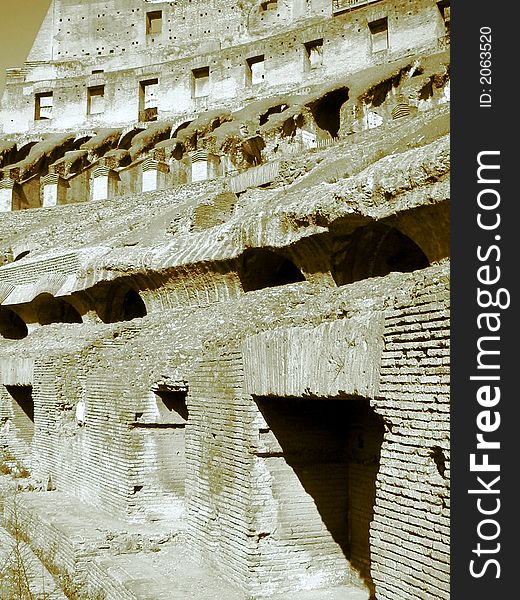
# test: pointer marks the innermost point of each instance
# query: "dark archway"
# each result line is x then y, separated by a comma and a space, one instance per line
55, 310
261, 268
133, 306
12, 326
120, 302
374, 251
126, 139
23, 151
326, 110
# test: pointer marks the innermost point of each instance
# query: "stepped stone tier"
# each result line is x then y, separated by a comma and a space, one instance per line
224, 287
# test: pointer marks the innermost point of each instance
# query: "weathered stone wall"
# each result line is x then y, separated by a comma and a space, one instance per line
410, 533
252, 453
411, 28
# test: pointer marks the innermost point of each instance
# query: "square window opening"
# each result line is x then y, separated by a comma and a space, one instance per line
171, 405
268, 5
43, 106
255, 70
96, 100
200, 82
154, 22
314, 54
148, 100
379, 34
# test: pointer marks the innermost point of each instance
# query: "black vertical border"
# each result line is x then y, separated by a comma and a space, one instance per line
475, 129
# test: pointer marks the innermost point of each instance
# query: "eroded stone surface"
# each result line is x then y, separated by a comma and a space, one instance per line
224, 320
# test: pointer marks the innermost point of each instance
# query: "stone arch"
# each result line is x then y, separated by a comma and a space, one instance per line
12, 326
375, 250
50, 309
262, 268
24, 150
429, 227
120, 302
125, 141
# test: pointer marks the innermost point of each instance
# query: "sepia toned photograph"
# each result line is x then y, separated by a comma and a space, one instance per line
225, 300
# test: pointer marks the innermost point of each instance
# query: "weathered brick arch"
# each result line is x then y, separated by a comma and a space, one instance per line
12, 326
51, 309
375, 250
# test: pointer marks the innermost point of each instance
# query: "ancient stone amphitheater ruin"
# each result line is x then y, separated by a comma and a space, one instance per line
224, 351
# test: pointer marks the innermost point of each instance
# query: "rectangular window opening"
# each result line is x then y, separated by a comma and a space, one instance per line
314, 54
148, 100
255, 70
171, 405
43, 106
96, 100
200, 82
379, 34
154, 23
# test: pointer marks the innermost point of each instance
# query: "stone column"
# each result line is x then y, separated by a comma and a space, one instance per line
103, 183
154, 175
203, 165
53, 190
7, 194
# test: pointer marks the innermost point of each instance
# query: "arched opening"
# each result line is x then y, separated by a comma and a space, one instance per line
78, 142
261, 268
126, 139
120, 302
273, 110
326, 110
23, 151
55, 310
374, 251
180, 128
133, 306
12, 326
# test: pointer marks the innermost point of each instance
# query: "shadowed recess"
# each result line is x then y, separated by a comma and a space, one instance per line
333, 450
55, 310
12, 327
261, 268
374, 251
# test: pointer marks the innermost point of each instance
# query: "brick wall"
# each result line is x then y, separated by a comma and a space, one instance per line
410, 533
219, 466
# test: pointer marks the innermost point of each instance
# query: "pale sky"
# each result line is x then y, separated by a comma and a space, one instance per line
19, 23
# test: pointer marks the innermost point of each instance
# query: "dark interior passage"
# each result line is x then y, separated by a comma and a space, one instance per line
374, 251
326, 481
261, 268
23, 410
119, 302
56, 310
12, 327
326, 111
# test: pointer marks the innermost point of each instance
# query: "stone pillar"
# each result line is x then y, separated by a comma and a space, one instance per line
7, 194
154, 175
203, 165
103, 183
53, 190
